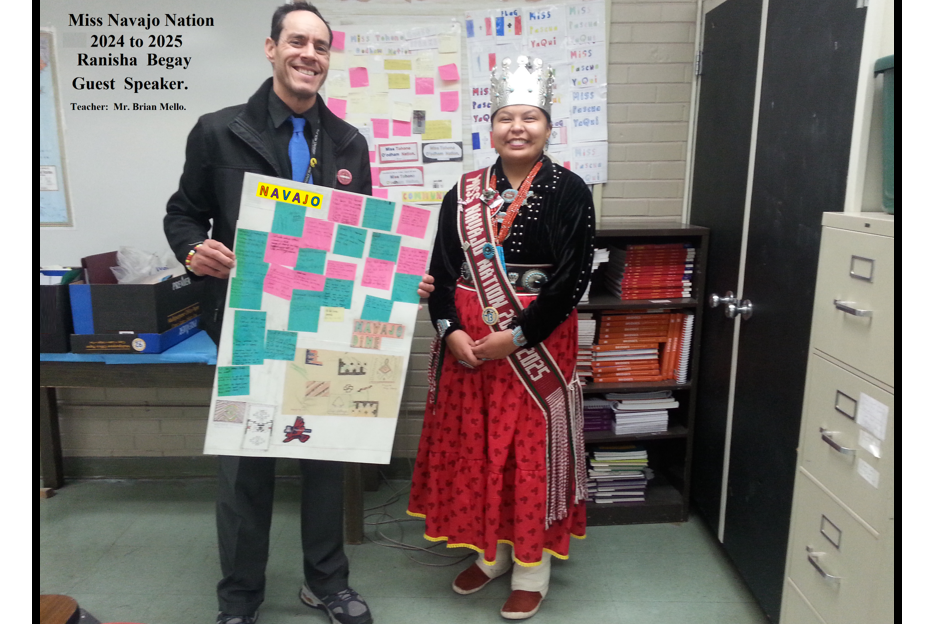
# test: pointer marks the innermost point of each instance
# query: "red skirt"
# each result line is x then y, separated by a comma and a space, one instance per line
480, 474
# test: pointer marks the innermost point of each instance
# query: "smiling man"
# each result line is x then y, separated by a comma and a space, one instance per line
284, 130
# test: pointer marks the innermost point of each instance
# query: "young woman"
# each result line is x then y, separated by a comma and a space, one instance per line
501, 466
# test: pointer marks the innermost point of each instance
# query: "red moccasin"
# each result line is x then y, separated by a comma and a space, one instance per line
521, 605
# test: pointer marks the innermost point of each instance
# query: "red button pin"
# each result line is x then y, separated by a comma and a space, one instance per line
344, 176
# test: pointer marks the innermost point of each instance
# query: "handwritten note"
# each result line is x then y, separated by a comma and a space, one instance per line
345, 208
250, 248
249, 334
378, 214
279, 282
358, 76
333, 315
425, 86
281, 345
404, 288
437, 129
337, 293
307, 281
412, 261
304, 310
349, 241
311, 260
317, 234
341, 270
402, 111
376, 309
282, 250
398, 81
233, 380
288, 219
377, 274
246, 292
384, 246
413, 221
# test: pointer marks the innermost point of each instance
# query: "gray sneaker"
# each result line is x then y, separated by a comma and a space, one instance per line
343, 607
224, 618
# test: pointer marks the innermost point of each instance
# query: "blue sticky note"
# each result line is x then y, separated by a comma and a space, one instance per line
246, 291
288, 219
349, 241
304, 310
233, 380
378, 214
499, 26
377, 309
281, 345
249, 337
476, 140
384, 246
469, 28
250, 248
311, 260
337, 293
404, 287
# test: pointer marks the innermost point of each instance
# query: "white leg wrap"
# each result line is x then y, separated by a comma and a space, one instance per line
532, 578
501, 563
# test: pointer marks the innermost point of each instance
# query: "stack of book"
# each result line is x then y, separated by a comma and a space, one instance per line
641, 346
600, 257
618, 474
599, 414
642, 412
586, 339
655, 271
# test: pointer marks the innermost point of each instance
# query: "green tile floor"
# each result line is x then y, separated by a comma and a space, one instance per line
144, 551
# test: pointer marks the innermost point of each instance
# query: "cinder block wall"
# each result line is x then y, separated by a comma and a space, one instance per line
649, 88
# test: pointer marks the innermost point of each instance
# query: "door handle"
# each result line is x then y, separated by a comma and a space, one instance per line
715, 300
746, 309
849, 308
827, 438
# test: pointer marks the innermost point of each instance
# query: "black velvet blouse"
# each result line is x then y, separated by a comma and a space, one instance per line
556, 227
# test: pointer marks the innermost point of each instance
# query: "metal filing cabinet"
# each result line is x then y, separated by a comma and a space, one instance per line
840, 559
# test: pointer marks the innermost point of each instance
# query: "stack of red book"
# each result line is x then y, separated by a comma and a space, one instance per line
654, 271
639, 346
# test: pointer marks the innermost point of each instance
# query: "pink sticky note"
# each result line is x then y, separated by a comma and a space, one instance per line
307, 281
413, 221
340, 107
402, 128
317, 234
341, 270
381, 192
358, 76
412, 261
345, 208
447, 99
375, 175
373, 156
425, 86
337, 40
282, 249
447, 72
377, 274
381, 128
279, 282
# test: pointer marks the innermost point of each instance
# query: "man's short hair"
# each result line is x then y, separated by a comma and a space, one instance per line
282, 11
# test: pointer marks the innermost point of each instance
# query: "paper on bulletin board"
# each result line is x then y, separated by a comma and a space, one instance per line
318, 323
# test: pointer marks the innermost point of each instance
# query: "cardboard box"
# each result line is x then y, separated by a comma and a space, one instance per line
133, 342
134, 308
55, 318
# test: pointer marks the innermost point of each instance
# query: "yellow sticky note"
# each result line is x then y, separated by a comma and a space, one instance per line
437, 129
378, 83
398, 65
358, 103
399, 81
338, 87
425, 67
337, 60
333, 315
448, 43
402, 111
379, 104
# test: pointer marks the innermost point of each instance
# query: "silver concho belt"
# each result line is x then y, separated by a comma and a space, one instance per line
525, 278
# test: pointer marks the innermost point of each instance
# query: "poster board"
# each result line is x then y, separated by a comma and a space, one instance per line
319, 321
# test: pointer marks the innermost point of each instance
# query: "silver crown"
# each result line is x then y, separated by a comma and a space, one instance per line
531, 84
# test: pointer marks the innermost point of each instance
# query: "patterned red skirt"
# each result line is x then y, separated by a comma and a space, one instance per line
480, 475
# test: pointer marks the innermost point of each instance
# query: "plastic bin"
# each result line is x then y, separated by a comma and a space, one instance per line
887, 67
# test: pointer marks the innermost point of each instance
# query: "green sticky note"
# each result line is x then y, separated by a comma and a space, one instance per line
376, 309
337, 293
349, 241
378, 214
246, 291
249, 337
311, 260
288, 219
384, 246
405, 286
250, 248
233, 380
304, 310
281, 345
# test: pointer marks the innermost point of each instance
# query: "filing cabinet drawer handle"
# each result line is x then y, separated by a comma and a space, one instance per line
849, 307
827, 438
813, 558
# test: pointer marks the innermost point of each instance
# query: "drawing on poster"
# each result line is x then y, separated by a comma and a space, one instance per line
230, 411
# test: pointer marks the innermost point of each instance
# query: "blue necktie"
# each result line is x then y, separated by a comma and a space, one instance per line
299, 150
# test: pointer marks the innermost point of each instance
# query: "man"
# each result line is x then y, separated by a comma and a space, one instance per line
283, 130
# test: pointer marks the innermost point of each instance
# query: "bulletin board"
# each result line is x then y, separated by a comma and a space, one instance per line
402, 88
569, 37
319, 322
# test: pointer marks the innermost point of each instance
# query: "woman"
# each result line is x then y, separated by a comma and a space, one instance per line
501, 464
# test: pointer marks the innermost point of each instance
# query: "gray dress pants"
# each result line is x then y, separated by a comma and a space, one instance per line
244, 512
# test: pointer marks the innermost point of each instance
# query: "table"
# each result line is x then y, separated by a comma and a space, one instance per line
189, 364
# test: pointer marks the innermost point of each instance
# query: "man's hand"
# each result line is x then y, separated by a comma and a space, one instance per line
425, 286
494, 346
213, 259
461, 346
